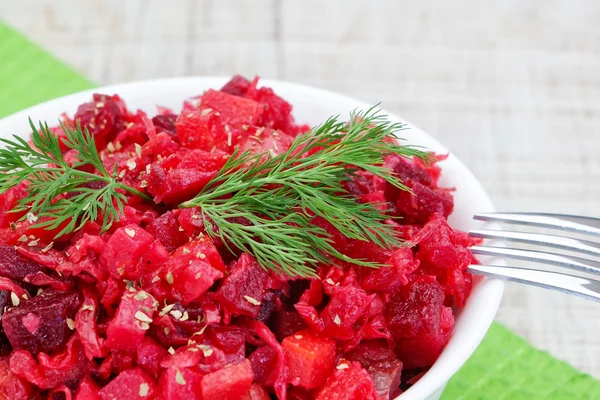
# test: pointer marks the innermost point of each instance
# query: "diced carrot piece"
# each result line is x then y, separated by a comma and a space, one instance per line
310, 359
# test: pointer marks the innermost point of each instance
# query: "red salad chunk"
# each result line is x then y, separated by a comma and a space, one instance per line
133, 318
124, 250
230, 383
13, 386
15, 266
41, 323
243, 290
159, 307
310, 359
130, 384
348, 382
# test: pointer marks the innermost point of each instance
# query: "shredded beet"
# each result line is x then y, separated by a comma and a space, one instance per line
155, 309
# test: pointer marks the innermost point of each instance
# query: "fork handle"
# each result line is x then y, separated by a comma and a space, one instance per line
578, 286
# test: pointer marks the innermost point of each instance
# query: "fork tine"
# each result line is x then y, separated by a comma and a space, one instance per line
583, 287
572, 223
575, 263
561, 242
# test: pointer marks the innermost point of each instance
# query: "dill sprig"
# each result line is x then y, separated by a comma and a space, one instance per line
264, 204
59, 194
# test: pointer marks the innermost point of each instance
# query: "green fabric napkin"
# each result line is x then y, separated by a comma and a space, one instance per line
29, 75
504, 366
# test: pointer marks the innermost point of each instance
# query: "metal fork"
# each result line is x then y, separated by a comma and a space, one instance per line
570, 270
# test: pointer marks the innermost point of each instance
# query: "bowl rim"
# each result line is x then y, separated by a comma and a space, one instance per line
475, 319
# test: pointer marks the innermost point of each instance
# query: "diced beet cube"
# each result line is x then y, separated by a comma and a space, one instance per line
265, 140
165, 123
162, 145
14, 265
371, 351
243, 290
40, 324
444, 258
230, 383
277, 114
363, 183
360, 249
403, 261
126, 330
175, 184
87, 389
237, 86
418, 321
166, 229
310, 359
431, 166
421, 351
194, 267
286, 323
180, 384
128, 385
124, 249
380, 361
388, 279
386, 377
458, 281
184, 358
407, 170
436, 244
346, 305
203, 160
191, 221
264, 365
416, 308
102, 117
230, 340
122, 361
423, 203
348, 382
155, 255
13, 387
234, 110
192, 280
201, 129
149, 355
156, 285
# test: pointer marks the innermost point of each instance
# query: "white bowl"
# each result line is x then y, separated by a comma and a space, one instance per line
313, 106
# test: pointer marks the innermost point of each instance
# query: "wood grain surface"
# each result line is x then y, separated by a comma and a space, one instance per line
512, 87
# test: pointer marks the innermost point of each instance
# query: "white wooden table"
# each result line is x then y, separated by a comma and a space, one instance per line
511, 87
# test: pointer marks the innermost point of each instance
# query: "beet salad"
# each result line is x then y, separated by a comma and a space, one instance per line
224, 252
